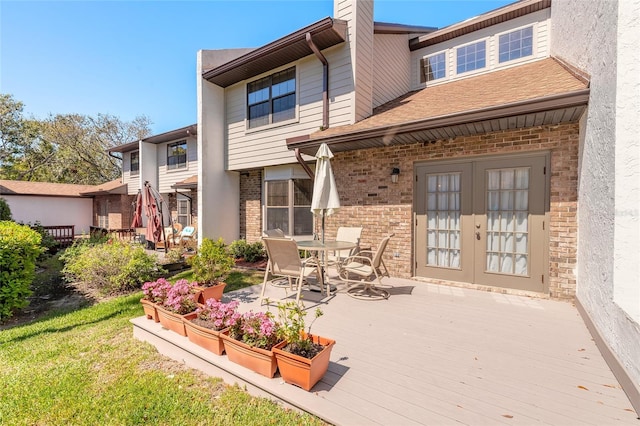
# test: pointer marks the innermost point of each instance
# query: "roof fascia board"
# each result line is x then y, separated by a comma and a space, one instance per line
337, 25
506, 13
171, 135
564, 100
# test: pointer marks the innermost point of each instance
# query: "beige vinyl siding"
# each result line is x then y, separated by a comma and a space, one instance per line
391, 69
539, 20
363, 59
166, 178
261, 147
127, 178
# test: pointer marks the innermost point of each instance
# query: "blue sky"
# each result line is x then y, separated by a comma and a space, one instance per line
130, 58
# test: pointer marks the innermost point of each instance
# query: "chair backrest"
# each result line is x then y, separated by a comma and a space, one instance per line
275, 232
284, 256
377, 258
351, 234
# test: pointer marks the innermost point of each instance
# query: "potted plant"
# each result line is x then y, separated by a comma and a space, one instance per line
205, 324
180, 300
210, 267
155, 293
249, 341
302, 358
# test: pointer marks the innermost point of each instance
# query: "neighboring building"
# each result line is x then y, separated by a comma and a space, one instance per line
51, 204
169, 162
514, 134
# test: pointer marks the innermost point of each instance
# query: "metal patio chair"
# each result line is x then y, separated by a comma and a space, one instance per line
369, 272
345, 233
285, 262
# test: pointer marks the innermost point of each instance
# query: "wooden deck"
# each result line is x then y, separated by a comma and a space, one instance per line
437, 355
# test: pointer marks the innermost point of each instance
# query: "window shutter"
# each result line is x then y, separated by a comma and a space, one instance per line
423, 76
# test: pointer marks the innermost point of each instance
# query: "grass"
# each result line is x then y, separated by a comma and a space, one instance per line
236, 280
85, 367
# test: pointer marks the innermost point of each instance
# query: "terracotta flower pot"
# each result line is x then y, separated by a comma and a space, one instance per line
301, 371
259, 360
202, 336
213, 292
150, 309
172, 321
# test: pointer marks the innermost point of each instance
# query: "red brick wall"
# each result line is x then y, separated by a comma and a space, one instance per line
250, 205
369, 198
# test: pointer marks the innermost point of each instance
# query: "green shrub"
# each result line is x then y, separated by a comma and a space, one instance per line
5, 210
212, 263
110, 268
251, 252
19, 249
48, 243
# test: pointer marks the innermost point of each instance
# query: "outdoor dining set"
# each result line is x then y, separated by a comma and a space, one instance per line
361, 271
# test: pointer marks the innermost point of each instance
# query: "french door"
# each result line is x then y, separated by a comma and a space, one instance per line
482, 221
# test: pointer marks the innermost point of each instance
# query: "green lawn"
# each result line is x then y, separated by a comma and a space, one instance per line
236, 280
85, 368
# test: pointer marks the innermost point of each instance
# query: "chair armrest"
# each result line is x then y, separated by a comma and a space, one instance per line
363, 259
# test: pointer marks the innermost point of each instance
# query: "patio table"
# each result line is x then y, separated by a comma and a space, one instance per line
317, 247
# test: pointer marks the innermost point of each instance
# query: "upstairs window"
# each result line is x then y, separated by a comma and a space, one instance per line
516, 44
471, 57
434, 67
135, 162
177, 155
272, 99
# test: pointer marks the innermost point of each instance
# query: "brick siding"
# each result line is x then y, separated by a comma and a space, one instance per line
368, 197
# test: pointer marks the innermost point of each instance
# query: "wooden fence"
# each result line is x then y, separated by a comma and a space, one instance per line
62, 234
126, 234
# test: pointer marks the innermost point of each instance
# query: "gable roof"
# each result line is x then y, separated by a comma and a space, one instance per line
47, 189
541, 92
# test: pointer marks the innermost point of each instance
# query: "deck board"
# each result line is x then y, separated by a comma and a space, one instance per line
441, 355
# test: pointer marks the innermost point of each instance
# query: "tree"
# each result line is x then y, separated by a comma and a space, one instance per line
65, 148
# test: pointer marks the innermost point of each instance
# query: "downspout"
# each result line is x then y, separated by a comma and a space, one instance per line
325, 99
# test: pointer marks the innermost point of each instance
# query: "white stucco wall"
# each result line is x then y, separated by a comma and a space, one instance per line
52, 211
600, 37
218, 189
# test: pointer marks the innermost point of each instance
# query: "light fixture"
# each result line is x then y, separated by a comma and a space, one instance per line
395, 172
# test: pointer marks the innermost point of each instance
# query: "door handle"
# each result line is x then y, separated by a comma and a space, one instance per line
478, 235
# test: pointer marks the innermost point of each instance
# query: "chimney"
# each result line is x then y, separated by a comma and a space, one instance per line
359, 17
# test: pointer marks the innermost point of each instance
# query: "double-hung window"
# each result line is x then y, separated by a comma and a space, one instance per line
288, 206
177, 155
471, 57
272, 99
434, 67
183, 206
135, 162
516, 44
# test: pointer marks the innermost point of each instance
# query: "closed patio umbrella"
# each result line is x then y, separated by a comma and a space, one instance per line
154, 223
137, 212
325, 200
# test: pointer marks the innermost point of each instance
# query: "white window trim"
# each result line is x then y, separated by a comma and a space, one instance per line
487, 60
180, 199
270, 126
283, 173
447, 70
131, 172
534, 47
166, 153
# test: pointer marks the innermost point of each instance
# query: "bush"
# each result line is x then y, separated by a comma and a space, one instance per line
19, 249
212, 263
48, 243
5, 210
251, 252
111, 268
